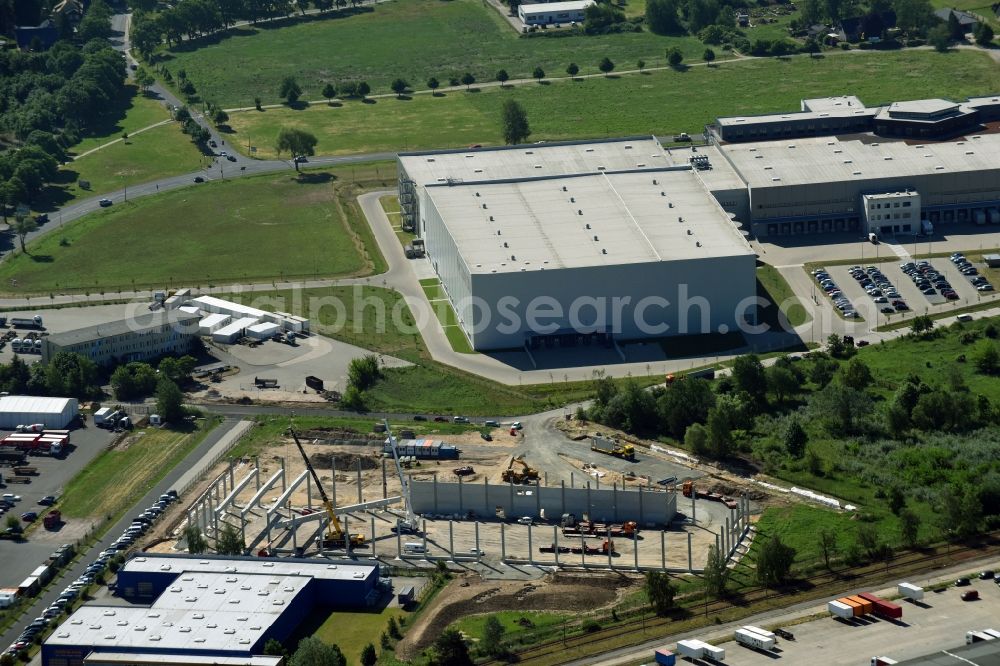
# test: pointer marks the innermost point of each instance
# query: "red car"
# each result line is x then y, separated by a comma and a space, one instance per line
440, 419
970, 595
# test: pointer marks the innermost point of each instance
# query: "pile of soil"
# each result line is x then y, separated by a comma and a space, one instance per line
343, 461
559, 592
735, 491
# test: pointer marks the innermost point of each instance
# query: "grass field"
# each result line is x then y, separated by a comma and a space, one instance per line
776, 290
156, 153
472, 625
239, 230
405, 38
655, 102
117, 478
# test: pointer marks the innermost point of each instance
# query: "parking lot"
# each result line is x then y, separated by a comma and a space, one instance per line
937, 623
22, 557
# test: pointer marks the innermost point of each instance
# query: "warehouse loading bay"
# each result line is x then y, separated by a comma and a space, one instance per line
250, 495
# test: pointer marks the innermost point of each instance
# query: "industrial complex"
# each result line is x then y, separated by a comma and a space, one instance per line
199, 609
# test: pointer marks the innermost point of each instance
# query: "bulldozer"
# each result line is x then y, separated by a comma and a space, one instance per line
526, 474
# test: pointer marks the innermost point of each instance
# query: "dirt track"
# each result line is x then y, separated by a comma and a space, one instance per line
468, 595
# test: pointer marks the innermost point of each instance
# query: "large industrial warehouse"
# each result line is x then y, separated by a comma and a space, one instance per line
600, 241
207, 609
52, 413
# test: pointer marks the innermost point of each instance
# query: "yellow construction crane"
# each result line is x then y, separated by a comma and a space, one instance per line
335, 531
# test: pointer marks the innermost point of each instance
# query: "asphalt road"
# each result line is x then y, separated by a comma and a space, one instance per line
76, 570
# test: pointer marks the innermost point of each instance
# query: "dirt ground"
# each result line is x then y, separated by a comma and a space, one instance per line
468, 595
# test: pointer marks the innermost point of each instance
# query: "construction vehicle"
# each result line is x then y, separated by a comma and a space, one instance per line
26, 471
410, 524
688, 489
590, 528
464, 471
612, 447
606, 546
335, 531
526, 474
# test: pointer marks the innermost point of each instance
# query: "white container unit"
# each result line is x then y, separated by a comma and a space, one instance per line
213, 322
263, 331
233, 331
752, 639
692, 649
714, 653
841, 610
909, 591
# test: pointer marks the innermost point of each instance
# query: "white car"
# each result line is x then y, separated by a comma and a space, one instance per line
516, 425
11, 497
477, 552
525, 520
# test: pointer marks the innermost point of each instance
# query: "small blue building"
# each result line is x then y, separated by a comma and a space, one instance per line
203, 609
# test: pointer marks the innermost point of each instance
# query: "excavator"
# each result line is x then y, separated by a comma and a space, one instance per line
526, 474
335, 531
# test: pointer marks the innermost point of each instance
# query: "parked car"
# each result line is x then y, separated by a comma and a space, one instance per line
418, 417
525, 520
199, 179
48, 500
986, 575
970, 595
963, 582
29, 516
104, 203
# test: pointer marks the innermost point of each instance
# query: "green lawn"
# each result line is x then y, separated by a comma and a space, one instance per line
776, 290
799, 524
353, 631
156, 153
511, 621
244, 229
405, 38
657, 102
458, 340
114, 480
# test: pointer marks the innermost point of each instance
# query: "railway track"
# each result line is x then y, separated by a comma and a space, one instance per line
561, 650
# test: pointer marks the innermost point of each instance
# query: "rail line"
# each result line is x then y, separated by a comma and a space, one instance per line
812, 587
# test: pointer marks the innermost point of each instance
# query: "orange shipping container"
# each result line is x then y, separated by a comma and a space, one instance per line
867, 606
858, 609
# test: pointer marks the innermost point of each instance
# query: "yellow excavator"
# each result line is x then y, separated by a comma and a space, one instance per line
524, 475
335, 531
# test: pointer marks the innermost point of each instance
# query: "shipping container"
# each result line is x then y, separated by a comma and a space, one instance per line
992, 632
841, 610
43, 574
857, 609
28, 587
405, 595
883, 661
753, 640
692, 649
910, 591
883, 608
867, 607
760, 631
665, 657
713, 653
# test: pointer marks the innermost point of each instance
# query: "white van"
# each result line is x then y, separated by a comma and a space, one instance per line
414, 547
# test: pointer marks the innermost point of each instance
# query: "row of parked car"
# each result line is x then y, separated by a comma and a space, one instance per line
139, 526
881, 290
966, 268
840, 301
928, 279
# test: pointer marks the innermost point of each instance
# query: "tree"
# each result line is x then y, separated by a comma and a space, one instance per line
467, 80
513, 4
896, 499
492, 642
720, 435
940, 38
913, 16
297, 142
433, 84
362, 91
909, 528
984, 35
448, 650
715, 572
782, 381
856, 374
774, 562
514, 123
660, 592
827, 541
133, 380
572, 70
368, 655
640, 65
696, 439
502, 77
169, 401
675, 57
708, 56
230, 541
606, 66
363, 372
987, 359
399, 87
795, 438
393, 628
329, 92
274, 648
661, 15
749, 376
144, 79
868, 540
23, 225
177, 370
314, 652
538, 73
290, 90
196, 543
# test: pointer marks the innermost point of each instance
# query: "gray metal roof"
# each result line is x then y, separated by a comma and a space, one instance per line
553, 7
589, 220
985, 653
132, 658
923, 106
826, 104
136, 324
322, 569
533, 160
816, 160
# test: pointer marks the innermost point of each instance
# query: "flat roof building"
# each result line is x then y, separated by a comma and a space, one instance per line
549, 13
140, 338
205, 610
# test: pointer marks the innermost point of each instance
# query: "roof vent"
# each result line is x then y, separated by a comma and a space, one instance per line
690, 233
572, 199
268, 564
199, 640
628, 147
875, 144
791, 145
122, 623
970, 152
603, 251
220, 591
512, 258
244, 641
139, 627
587, 225
430, 159
641, 165
538, 166
680, 219
579, 212
838, 151
190, 600
758, 157
655, 182
505, 245
491, 218
564, 189
595, 238
477, 170
108, 613
529, 152
775, 179
856, 173
939, 168
184, 630
212, 625
887, 158
498, 232
588, 150
198, 616
662, 193
484, 206
670, 204
477, 194
698, 243
601, 168
242, 618
155, 637
848, 161
229, 631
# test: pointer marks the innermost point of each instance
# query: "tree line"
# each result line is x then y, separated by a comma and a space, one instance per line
50, 99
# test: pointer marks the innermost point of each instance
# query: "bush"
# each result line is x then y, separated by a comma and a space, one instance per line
590, 626
845, 46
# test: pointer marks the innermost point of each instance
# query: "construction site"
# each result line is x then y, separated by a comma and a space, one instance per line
474, 499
